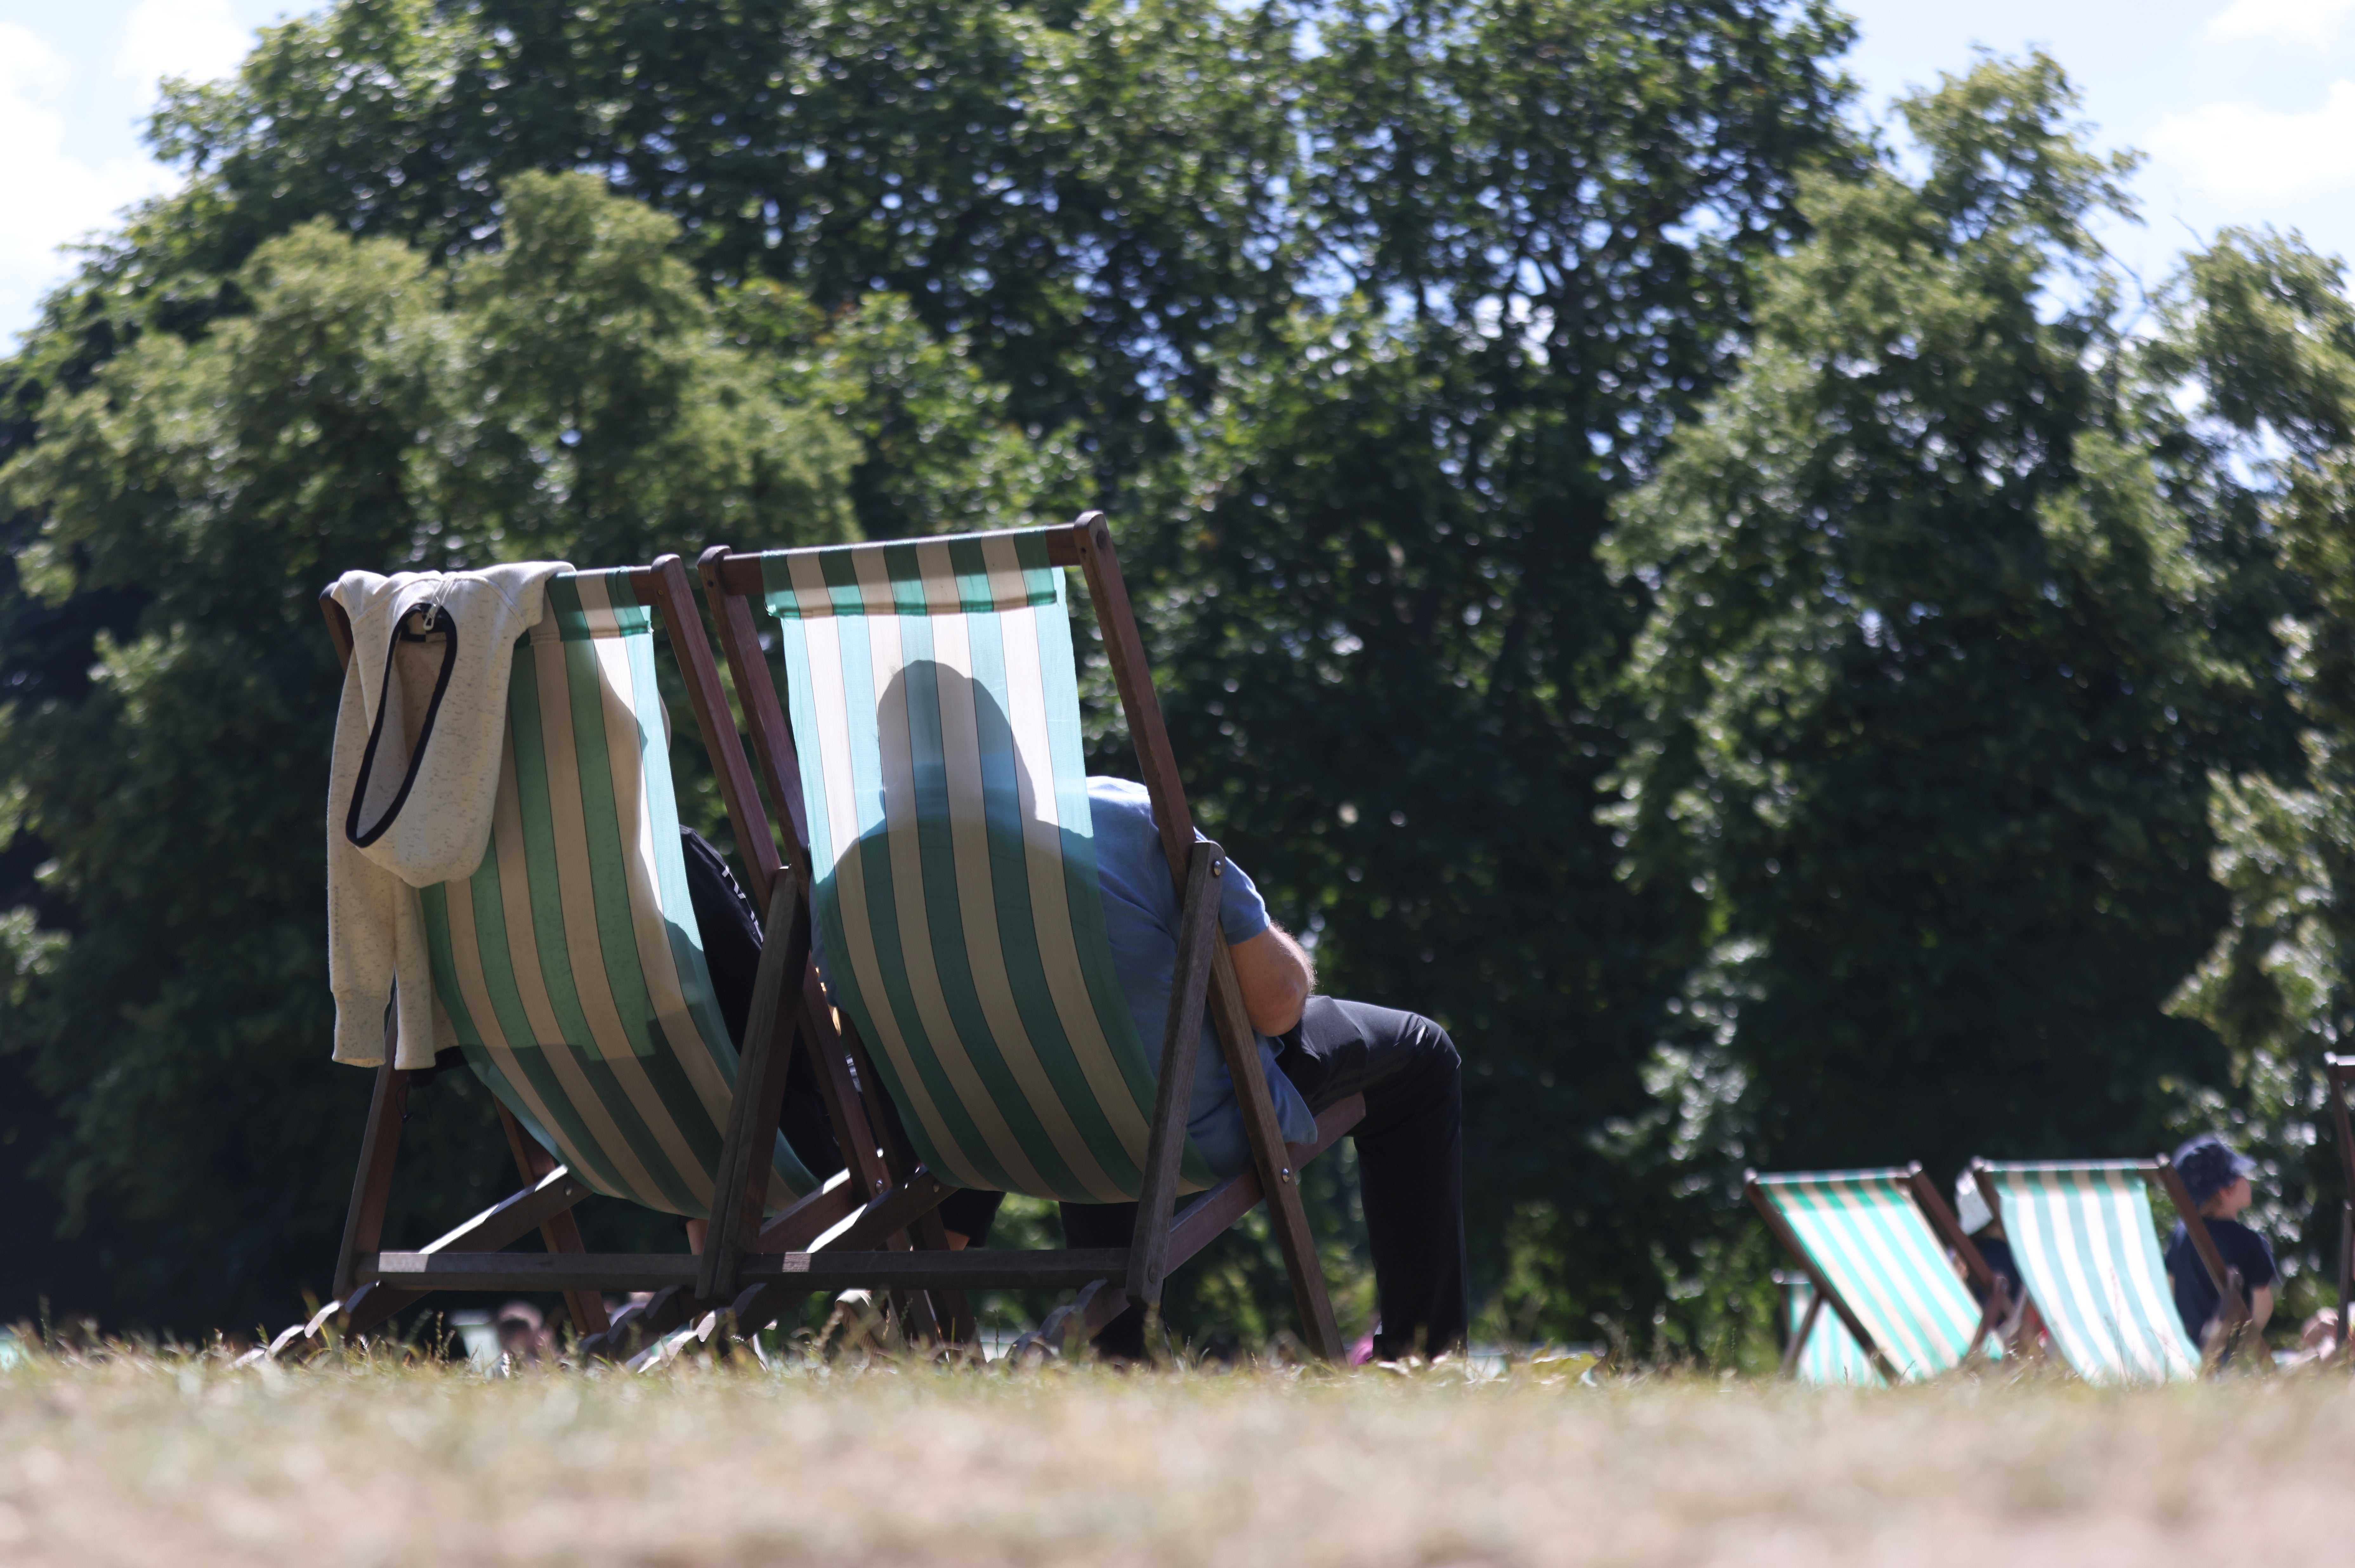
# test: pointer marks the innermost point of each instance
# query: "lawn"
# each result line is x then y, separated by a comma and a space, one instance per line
154, 1460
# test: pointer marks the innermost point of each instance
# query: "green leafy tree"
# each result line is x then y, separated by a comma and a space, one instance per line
1957, 616
1393, 648
570, 395
1035, 255
2263, 329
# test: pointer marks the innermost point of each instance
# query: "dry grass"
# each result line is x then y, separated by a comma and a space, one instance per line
160, 1461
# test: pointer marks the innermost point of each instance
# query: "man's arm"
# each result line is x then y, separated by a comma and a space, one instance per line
1276, 979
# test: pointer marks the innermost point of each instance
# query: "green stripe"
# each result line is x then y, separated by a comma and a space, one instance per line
617, 936
943, 916
548, 913
1019, 933
873, 865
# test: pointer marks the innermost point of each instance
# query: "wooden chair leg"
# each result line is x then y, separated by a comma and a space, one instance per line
561, 1232
372, 1182
1799, 1339
1277, 1178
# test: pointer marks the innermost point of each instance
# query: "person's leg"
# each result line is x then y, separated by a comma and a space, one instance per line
967, 1213
1109, 1225
731, 956
1410, 1157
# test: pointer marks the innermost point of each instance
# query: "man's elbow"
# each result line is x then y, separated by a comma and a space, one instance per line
1273, 1015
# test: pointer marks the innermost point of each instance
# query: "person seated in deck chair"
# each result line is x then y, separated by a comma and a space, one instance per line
1986, 1231
1317, 1050
2217, 1179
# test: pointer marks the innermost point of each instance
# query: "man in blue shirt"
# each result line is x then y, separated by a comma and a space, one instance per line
1316, 1050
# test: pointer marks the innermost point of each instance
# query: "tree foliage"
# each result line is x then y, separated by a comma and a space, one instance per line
1956, 617
1752, 633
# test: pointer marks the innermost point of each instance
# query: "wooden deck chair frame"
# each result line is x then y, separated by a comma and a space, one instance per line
1108, 1279
372, 1285
1943, 1225
2338, 1070
2230, 1290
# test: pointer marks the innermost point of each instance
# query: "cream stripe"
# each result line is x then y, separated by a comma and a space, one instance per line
940, 577
569, 818
888, 663
977, 908
466, 951
627, 776
596, 1002
823, 637
998, 555
842, 812
1050, 905
515, 899
2085, 1315
810, 592
2157, 1309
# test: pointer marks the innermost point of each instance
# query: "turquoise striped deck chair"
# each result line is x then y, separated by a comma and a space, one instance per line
1819, 1349
2088, 1251
1866, 1241
572, 970
932, 779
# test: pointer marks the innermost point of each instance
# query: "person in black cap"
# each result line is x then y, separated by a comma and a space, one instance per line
2217, 1178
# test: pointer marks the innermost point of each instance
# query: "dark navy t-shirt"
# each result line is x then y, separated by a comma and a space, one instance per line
1141, 916
2196, 1296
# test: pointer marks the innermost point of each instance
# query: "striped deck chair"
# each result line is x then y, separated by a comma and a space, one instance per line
2087, 1246
931, 782
1819, 1349
1873, 1245
571, 967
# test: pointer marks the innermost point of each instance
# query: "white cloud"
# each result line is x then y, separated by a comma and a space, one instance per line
51, 198
198, 38
2282, 21
2243, 150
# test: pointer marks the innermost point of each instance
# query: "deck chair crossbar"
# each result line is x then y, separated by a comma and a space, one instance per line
372, 1284
1873, 1245
977, 587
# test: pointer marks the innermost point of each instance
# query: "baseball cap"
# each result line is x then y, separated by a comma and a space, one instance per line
2208, 1164
1970, 1208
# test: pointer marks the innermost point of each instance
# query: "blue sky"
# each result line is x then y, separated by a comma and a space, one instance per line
2246, 107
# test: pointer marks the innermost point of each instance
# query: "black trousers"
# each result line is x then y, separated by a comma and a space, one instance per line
1410, 1170
1409, 1145
732, 951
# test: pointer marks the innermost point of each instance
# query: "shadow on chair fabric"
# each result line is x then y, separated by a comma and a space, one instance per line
931, 778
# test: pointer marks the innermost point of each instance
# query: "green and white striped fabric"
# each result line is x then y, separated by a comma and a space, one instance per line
1862, 1231
571, 963
2088, 1253
936, 713
1831, 1354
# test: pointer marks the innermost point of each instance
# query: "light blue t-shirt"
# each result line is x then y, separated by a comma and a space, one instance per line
1141, 912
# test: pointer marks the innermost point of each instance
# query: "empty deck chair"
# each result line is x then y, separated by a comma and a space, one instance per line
1819, 1349
1873, 1245
931, 782
571, 967
2088, 1246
